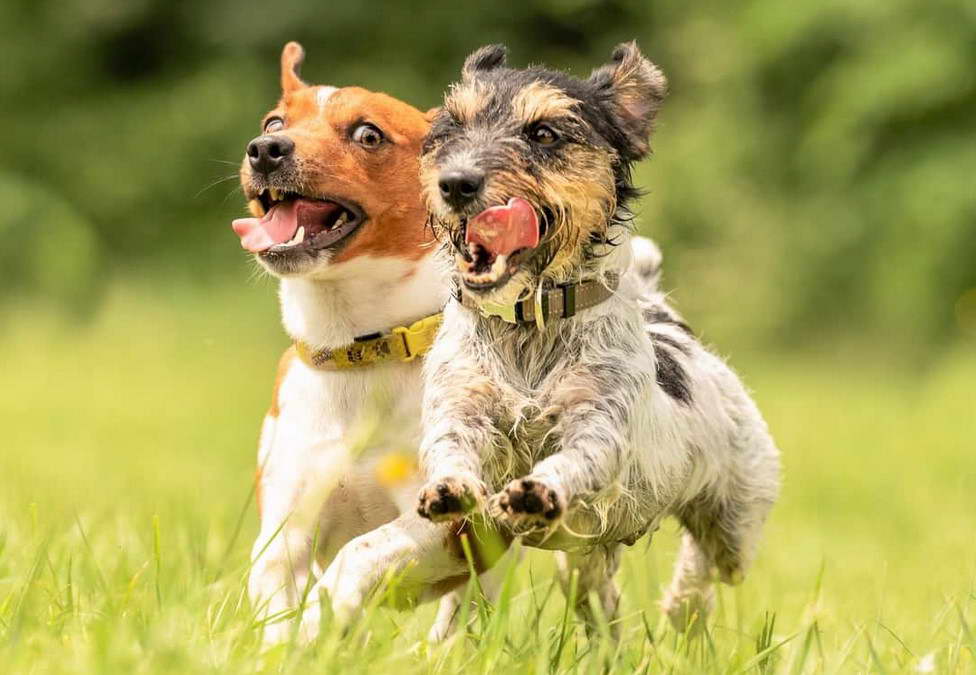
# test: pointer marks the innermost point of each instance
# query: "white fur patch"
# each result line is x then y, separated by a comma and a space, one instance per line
333, 427
323, 95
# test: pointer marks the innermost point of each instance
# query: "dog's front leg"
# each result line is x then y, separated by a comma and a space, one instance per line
419, 560
458, 403
295, 482
592, 408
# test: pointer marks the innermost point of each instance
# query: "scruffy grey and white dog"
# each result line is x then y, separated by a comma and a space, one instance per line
564, 398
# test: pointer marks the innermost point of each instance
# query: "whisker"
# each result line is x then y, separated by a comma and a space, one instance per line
218, 181
233, 191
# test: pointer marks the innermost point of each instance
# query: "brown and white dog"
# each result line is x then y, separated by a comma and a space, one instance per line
333, 186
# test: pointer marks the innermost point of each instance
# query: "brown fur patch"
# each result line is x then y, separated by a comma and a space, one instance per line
447, 585
383, 181
487, 544
257, 489
291, 61
284, 363
487, 547
464, 102
541, 101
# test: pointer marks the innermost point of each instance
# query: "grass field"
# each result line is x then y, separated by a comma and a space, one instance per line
125, 517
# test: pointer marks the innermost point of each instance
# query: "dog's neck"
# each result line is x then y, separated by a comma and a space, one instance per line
560, 332
361, 297
612, 255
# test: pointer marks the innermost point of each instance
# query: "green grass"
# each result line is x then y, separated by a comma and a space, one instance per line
125, 517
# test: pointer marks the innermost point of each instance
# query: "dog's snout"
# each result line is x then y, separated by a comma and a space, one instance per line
459, 187
267, 153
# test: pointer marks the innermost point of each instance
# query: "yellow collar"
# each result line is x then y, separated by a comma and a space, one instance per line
403, 343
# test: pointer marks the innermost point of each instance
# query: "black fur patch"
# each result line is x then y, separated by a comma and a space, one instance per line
661, 315
486, 58
670, 341
594, 122
671, 377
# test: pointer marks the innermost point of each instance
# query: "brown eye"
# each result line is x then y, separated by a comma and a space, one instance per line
274, 124
367, 135
543, 135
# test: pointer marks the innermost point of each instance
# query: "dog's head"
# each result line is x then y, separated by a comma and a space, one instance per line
526, 170
333, 176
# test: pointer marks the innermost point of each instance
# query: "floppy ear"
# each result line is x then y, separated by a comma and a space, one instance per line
484, 59
634, 88
291, 62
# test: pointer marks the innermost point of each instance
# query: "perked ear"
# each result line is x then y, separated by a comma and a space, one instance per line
291, 62
484, 59
635, 89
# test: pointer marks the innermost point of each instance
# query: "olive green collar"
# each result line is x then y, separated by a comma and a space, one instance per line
547, 304
402, 343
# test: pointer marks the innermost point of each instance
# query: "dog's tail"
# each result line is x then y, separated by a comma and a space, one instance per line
646, 260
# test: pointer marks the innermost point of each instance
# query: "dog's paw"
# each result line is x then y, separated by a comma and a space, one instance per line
688, 611
528, 504
450, 497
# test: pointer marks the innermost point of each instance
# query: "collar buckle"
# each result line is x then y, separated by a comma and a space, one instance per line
541, 307
418, 336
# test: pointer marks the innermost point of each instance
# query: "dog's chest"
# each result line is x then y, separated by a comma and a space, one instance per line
377, 406
526, 429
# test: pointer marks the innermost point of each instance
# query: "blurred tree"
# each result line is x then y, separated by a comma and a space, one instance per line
815, 165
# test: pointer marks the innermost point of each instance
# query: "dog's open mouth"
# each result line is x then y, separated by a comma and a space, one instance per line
498, 240
292, 221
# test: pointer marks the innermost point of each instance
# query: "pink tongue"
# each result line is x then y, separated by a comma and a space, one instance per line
502, 230
281, 223
276, 227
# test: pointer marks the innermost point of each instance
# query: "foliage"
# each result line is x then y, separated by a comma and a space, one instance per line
126, 516
813, 177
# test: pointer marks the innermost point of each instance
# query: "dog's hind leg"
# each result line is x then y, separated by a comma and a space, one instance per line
728, 533
594, 574
449, 608
727, 517
447, 617
690, 597
720, 537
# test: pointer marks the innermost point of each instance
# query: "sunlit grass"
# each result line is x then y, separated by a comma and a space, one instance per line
126, 465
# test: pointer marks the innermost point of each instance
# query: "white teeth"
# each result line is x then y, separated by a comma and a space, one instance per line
494, 272
298, 238
341, 220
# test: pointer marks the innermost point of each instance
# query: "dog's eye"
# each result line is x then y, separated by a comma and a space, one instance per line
543, 134
274, 124
367, 135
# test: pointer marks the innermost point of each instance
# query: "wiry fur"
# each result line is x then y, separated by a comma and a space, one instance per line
589, 432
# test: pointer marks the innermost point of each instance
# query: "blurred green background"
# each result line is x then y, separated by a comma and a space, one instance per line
814, 182
813, 190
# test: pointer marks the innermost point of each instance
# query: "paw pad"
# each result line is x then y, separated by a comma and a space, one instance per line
530, 500
446, 499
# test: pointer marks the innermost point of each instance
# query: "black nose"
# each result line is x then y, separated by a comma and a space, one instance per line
458, 188
267, 153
